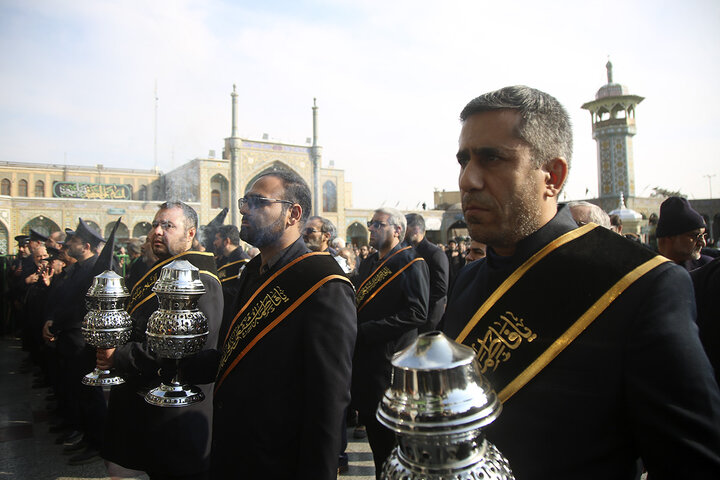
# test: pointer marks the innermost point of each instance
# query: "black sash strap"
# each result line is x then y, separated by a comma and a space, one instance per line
516, 332
142, 291
230, 271
272, 302
386, 272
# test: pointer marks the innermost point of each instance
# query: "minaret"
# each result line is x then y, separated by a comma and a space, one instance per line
316, 154
613, 126
233, 145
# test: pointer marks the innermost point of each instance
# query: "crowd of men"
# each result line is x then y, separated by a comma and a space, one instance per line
599, 347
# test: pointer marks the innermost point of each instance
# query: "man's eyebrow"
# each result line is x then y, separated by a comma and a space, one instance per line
479, 151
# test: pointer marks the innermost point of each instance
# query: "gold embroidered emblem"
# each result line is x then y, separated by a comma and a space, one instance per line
260, 309
502, 337
372, 283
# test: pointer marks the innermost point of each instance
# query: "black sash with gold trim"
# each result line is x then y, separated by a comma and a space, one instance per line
516, 332
272, 302
230, 271
142, 291
388, 270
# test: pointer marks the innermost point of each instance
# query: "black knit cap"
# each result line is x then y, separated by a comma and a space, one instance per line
676, 217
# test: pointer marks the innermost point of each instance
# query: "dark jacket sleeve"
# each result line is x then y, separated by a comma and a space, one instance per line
411, 314
672, 396
439, 275
329, 337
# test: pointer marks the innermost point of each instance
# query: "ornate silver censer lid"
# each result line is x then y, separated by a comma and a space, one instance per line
177, 329
106, 324
437, 404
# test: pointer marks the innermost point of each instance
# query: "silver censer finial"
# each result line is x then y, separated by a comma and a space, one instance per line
177, 329
106, 324
437, 404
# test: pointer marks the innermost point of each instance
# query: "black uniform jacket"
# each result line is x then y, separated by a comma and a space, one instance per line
141, 436
706, 281
439, 266
386, 324
279, 412
635, 383
71, 308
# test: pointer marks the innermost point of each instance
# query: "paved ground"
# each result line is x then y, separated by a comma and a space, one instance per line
28, 451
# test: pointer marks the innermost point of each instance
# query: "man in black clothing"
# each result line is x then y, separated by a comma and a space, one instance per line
227, 246
438, 265
392, 302
166, 443
83, 406
589, 340
284, 370
681, 234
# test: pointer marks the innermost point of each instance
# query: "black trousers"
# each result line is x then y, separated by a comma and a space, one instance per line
382, 440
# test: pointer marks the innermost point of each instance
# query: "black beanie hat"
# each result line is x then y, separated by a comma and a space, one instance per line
676, 217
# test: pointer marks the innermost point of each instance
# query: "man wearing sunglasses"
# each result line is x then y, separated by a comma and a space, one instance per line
392, 302
283, 376
681, 234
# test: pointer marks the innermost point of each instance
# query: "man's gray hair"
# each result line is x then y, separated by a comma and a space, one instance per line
395, 218
545, 124
326, 226
597, 214
191, 216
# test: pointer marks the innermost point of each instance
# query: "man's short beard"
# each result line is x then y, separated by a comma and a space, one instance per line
315, 246
524, 219
264, 236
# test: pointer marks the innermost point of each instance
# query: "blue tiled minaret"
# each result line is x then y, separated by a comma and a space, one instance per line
613, 126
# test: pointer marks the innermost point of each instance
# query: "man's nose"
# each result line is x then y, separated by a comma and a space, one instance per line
471, 177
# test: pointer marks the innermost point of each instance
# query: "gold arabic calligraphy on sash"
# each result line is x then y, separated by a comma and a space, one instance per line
501, 338
261, 309
381, 275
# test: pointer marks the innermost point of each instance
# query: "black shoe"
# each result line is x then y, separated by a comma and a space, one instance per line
75, 448
60, 440
89, 455
73, 439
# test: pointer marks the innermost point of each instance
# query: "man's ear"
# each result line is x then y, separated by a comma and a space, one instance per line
295, 214
191, 232
556, 171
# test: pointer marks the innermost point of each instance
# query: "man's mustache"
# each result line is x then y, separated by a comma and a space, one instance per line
477, 201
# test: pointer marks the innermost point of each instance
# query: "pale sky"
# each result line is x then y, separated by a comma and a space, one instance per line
390, 78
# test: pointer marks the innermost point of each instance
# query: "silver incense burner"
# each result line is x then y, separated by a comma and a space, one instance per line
177, 329
106, 324
437, 404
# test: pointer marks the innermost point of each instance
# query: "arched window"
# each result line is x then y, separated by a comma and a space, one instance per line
121, 232
22, 188
4, 240
219, 191
329, 197
357, 233
141, 229
40, 224
39, 188
5, 187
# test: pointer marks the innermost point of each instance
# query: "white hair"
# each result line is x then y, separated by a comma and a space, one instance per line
395, 218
